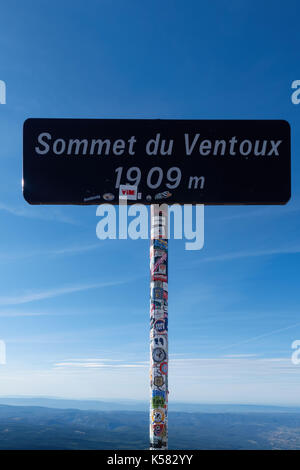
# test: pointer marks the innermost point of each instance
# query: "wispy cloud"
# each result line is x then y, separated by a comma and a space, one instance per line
72, 249
215, 379
14, 314
99, 364
46, 294
250, 254
264, 212
36, 212
236, 356
264, 335
67, 250
213, 368
233, 368
7, 313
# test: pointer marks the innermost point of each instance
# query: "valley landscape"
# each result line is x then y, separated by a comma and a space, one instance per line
222, 427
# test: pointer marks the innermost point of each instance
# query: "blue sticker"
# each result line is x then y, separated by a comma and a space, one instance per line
158, 293
160, 244
161, 325
158, 393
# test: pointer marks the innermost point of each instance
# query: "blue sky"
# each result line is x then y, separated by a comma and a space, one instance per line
74, 309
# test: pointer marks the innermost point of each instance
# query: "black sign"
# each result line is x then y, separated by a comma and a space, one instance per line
93, 161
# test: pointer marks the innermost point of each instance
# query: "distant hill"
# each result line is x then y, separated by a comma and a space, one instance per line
32, 427
134, 405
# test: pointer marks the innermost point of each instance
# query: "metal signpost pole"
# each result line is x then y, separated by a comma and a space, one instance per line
159, 327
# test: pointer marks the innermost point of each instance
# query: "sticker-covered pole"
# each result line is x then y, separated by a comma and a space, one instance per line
159, 327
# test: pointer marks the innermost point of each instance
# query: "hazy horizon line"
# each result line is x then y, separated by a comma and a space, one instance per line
132, 400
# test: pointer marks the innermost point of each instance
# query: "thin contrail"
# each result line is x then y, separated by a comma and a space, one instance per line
259, 337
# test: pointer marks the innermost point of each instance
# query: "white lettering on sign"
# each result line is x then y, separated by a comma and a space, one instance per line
244, 147
158, 146
193, 143
84, 146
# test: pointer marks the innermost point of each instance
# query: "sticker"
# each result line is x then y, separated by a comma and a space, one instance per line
164, 368
158, 253
159, 393
156, 318
157, 314
158, 380
155, 253
158, 416
163, 195
161, 269
108, 197
91, 198
158, 354
156, 304
161, 326
157, 442
159, 261
158, 293
155, 262
128, 191
157, 284
158, 402
160, 341
158, 232
158, 429
159, 277
161, 244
